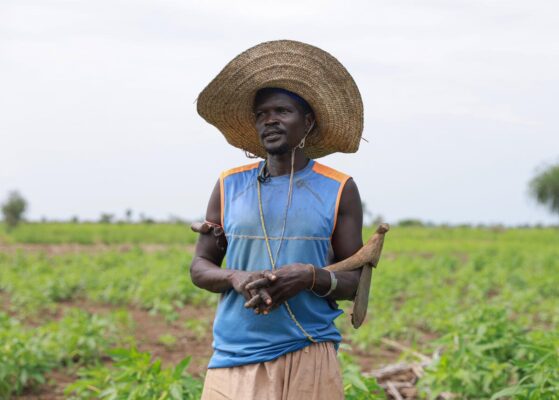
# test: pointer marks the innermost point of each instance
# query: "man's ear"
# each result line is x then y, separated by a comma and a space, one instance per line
310, 123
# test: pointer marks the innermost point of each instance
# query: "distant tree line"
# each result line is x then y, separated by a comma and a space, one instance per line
15, 206
13, 209
544, 188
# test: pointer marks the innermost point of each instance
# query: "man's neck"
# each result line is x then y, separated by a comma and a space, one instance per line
280, 164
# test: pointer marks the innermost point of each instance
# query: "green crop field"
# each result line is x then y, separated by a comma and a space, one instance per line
108, 311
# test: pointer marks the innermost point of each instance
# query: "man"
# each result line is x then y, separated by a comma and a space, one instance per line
284, 219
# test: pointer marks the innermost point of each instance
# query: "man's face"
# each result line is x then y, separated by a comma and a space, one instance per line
280, 121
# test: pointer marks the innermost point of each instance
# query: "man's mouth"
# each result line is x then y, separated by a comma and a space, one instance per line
272, 134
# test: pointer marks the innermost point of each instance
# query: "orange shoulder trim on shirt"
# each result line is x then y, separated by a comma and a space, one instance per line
330, 172
236, 170
337, 176
221, 198
225, 174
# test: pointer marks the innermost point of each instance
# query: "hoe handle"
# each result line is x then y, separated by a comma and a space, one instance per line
367, 257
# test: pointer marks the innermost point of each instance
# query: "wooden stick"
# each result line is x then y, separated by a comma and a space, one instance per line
201, 227
398, 385
367, 257
390, 370
393, 391
401, 347
206, 227
417, 370
368, 254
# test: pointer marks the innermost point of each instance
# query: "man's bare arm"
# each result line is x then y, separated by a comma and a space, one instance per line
346, 240
205, 270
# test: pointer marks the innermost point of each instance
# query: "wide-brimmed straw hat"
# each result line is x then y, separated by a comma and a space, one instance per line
308, 71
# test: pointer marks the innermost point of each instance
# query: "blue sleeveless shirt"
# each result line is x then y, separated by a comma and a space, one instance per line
240, 336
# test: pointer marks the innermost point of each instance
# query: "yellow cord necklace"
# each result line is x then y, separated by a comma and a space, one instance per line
266, 238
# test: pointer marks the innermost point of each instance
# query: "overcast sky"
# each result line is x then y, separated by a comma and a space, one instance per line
98, 113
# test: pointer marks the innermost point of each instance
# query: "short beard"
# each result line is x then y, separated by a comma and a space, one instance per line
283, 149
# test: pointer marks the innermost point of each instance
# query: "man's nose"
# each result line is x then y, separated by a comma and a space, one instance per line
270, 119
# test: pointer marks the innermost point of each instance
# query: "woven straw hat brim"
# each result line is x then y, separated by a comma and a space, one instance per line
298, 67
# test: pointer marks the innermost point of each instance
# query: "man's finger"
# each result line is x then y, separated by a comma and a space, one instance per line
246, 295
257, 284
268, 309
270, 275
253, 302
265, 296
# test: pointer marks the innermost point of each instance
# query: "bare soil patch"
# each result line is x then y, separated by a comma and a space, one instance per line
52, 390
5, 304
149, 329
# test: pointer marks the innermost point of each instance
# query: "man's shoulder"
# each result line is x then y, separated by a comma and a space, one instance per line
240, 169
329, 172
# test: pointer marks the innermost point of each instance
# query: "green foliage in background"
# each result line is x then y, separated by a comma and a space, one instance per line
100, 233
157, 281
356, 385
488, 356
26, 354
544, 187
23, 360
430, 276
488, 297
135, 376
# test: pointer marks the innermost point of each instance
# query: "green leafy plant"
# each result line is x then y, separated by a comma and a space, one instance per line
157, 282
536, 363
78, 338
23, 358
356, 385
135, 376
199, 327
489, 356
167, 340
27, 354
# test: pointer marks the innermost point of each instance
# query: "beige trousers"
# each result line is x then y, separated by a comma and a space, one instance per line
312, 373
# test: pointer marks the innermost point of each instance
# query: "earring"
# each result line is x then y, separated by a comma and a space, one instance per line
310, 129
302, 142
250, 155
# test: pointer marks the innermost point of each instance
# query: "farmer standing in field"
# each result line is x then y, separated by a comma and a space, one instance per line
283, 219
